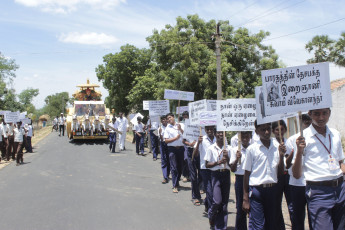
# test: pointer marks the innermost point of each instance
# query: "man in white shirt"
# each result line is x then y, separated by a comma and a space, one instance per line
320, 158
152, 128
123, 127
297, 186
164, 151
264, 162
200, 149
217, 160
10, 147
62, 121
4, 138
173, 138
139, 129
236, 164
112, 135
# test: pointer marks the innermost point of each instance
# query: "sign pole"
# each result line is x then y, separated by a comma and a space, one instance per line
300, 122
239, 144
288, 128
280, 132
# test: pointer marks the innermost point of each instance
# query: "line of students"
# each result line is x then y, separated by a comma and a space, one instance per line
13, 138
307, 169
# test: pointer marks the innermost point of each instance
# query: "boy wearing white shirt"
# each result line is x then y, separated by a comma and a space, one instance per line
320, 158
153, 126
139, 136
200, 149
123, 127
264, 161
10, 137
236, 164
4, 139
173, 138
164, 151
18, 142
112, 135
217, 160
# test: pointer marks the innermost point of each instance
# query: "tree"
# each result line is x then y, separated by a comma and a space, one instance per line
338, 52
10, 102
118, 73
26, 97
322, 46
7, 69
56, 104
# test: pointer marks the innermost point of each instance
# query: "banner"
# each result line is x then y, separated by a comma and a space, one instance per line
158, 108
145, 105
182, 109
261, 116
11, 117
194, 109
299, 88
178, 95
190, 132
236, 114
208, 118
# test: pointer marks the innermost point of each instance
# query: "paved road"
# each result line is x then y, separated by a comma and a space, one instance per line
83, 186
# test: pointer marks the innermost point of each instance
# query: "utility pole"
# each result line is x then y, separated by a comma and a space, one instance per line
218, 58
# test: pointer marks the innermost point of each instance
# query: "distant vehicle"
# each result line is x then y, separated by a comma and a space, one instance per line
88, 118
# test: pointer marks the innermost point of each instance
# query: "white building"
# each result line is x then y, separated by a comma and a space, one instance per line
337, 119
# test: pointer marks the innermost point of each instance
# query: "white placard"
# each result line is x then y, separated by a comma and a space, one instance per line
134, 119
299, 88
11, 117
182, 109
194, 109
190, 132
261, 116
211, 105
208, 118
145, 105
3, 112
236, 114
26, 121
158, 108
155, 119
22, 115
178, 95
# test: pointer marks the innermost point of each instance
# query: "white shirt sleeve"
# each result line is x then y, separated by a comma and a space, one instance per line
208, 156
233, 152
247, 165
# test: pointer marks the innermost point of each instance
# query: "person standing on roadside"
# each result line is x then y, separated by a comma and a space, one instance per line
320, 158
123, 127
62, 121
139, 129
18, 142
29, 134
164, 151
112, 135
10, 147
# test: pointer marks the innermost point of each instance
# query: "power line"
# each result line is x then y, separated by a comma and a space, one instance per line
300, 31
247, 7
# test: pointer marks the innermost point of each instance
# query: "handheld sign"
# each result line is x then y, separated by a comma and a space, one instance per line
158, 108
194, 109
208, 118
211, 105
190, 132
146, 105
11, 117
294, 89
178, 95
236, 114
181, 109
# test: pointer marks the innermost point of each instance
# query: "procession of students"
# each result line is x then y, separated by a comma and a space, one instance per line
308, 170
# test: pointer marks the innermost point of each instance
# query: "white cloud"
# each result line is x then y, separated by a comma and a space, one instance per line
66, 6
88, 38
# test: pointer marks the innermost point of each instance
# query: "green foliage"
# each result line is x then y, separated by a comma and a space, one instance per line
326, 49
7, 69
10, 102
182, 57
55, 104
25, 98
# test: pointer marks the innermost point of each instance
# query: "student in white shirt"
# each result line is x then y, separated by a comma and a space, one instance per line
139, 129
123, 127
164, 151
18, 142
62, 121
4, 139
264, 161
173, 138
112, 135
200, 149
283, 180
320, 158
236, 164
297, 186
152, 131
10, 147
217, 160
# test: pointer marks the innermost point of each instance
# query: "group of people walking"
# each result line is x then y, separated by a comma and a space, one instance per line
307, 168
14, 137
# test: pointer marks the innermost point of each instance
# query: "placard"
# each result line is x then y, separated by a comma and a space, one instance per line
236, 114
3, 112
145, 105
182, 109
261, 116
211, 105
299, 88
25, 121
208, 118
134, 119
190, 132
11, 117
158, 108
178, 95
194, 109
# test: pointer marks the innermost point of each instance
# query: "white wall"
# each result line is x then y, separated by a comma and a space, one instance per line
337, 119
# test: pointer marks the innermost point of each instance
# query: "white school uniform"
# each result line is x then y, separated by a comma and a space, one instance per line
262, 162
205, 144
4, 130
315, 161
18, 134
291, 145
172, 131
214, 154
234, 139
1, 133
139, 128
113, 125
240, 170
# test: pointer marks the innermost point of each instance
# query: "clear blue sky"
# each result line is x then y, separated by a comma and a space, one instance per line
59, 43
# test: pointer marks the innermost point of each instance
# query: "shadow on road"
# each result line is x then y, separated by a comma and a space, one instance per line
89, 142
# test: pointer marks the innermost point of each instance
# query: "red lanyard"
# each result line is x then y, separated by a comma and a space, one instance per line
330, 145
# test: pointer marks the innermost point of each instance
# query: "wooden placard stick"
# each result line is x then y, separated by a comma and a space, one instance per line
224, 147
288, 128
280, 132
178, 112
295, 123
239, 146
300, 123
